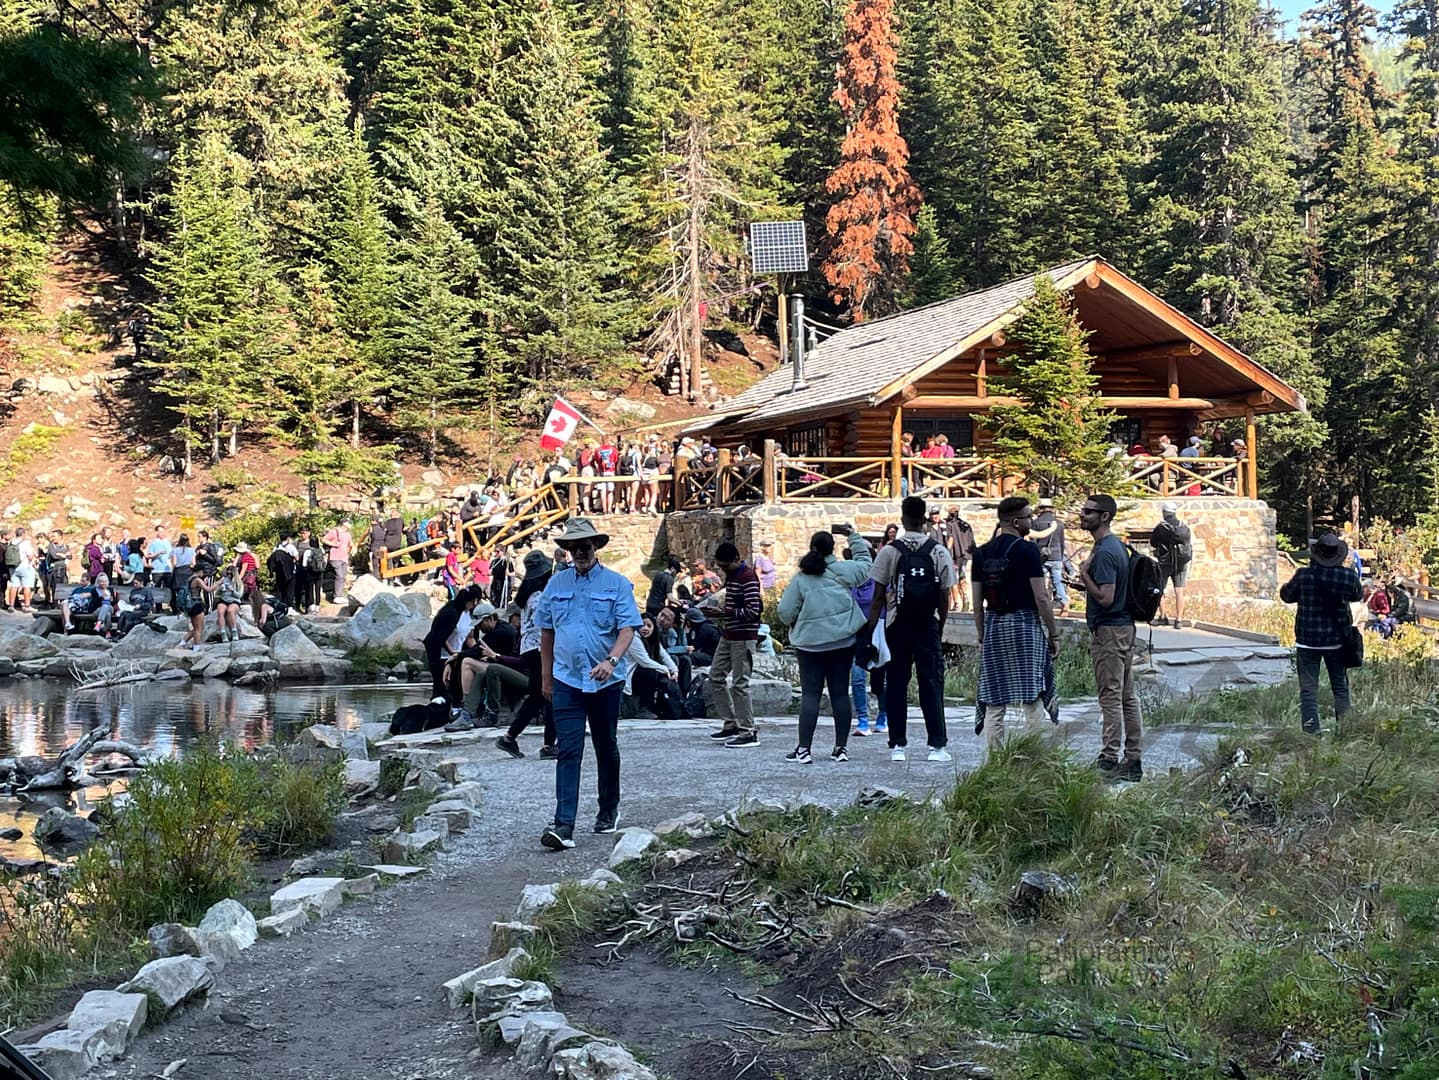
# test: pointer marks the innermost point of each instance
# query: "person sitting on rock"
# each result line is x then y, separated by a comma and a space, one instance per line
447, 635
228, 593
138, 607
704, 636
85, 600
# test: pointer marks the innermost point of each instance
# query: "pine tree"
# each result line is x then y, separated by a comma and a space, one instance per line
978, 162
931, 270
1374, 405
870, 224
362, 271
434, 342
213, 313
557, 253
310, 384
1057, 437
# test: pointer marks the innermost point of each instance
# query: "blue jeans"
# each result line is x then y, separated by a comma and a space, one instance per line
859, 690
572, 708
1055, 569
1308, 661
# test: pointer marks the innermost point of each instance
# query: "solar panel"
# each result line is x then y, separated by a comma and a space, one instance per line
778, 247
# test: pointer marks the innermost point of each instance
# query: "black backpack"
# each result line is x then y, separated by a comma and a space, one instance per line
1146, 587
990, 573
1173, 544
410, 719
314, 560
916, 582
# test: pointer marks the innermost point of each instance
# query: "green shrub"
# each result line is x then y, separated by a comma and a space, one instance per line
176, 847
296, 804
229, 477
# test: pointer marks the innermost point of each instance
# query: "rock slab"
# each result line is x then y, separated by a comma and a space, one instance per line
285, 923
318, 895
458, 990
113, 1020
633, 844
534, 899
233, 920
171, 982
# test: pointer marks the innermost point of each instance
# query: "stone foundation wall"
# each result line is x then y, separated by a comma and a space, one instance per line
1234, 539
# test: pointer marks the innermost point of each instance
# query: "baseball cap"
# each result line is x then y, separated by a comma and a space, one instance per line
1170, 508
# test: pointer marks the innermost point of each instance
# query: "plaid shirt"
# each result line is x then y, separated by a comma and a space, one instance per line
1323, 594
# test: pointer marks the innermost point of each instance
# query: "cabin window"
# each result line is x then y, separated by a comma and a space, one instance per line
808, 442
1126, 431
960, 430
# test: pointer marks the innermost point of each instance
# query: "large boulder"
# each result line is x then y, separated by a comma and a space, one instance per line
111, 1020
326, 631
768, 697
378, 619
597, 1060
18, 645
364, 589
420, 604
291, 644
145, 640
410, 637
233, 920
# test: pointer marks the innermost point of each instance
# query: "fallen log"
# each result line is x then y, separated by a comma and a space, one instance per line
64, 773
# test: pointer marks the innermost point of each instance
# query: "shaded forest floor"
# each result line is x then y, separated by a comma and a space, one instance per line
98, 432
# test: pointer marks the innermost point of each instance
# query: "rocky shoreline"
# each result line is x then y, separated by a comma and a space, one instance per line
313, 649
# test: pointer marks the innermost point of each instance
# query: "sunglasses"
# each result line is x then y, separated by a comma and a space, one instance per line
579, 546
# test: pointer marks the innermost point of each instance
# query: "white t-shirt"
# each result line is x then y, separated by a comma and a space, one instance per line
456, 641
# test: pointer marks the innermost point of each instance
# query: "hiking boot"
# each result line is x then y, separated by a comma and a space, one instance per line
743, 739
1131, 772
464, 722
607, 823
1310, 727
510, 745
558, 837
862, 727
800, 755
729, 731
549, 753
1107, 767
896, 754
939, 753
839, 753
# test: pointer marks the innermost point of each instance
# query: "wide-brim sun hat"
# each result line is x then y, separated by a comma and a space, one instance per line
1329, 550
537, 565
581, 528
242, 547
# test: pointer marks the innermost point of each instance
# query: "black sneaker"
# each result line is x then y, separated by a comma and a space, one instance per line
558, 837
1106, 766
607, 823
1131, 772
724, 733
510, 746
839, 753
549, 753
800, 755
743, 739
1310, 727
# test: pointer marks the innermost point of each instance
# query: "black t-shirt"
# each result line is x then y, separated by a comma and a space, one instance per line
660, 587
1025, 562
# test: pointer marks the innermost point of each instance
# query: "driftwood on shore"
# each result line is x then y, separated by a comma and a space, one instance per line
67, 772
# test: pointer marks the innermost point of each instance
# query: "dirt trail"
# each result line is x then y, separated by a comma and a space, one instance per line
357, 996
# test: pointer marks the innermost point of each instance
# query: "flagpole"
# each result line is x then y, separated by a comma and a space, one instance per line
583, 417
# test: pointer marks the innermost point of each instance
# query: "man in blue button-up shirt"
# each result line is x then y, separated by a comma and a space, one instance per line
587, 617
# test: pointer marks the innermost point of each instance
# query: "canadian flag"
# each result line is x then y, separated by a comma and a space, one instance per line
559, 425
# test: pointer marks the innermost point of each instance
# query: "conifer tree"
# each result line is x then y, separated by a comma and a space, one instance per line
557, 251
213, 313
931, 270
1374, 404
870, 224
362, 272
434, 342
1057, 437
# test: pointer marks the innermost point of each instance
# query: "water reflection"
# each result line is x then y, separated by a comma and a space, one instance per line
42, 717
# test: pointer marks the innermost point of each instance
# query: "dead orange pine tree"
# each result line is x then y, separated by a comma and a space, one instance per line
872, 219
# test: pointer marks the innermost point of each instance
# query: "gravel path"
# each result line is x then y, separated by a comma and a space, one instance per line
357, 996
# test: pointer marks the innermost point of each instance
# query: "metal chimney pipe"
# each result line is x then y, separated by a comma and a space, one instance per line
797, 340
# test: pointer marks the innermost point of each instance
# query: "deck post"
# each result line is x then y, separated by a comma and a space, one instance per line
1251, 466
896, 453
768, 470
680, 467
722, 492
573, 497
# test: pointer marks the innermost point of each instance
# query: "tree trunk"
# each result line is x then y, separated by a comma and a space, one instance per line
355, 424
313, 496
695, 228
234, 439
214, 438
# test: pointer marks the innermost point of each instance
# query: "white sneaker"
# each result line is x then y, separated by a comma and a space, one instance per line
897, 754
939, 754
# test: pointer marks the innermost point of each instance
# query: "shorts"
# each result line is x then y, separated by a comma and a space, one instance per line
1179, 577
24, 576
648, 474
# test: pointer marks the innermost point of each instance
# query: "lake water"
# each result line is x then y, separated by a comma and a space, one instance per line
43, 716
